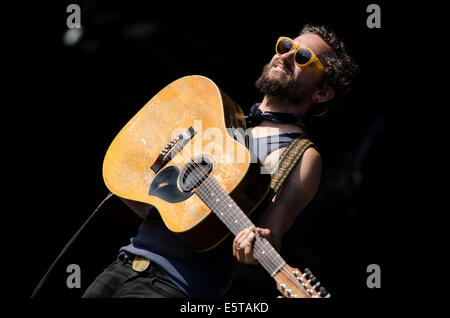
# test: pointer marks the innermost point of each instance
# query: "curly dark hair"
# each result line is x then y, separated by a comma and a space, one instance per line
340, 66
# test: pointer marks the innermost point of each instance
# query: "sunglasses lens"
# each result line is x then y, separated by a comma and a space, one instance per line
303, 56
284, 46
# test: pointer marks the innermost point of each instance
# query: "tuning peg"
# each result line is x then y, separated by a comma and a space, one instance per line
323, 292
307, 274
312, 280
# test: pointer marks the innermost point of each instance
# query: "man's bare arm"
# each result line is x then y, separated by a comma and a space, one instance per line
295, 194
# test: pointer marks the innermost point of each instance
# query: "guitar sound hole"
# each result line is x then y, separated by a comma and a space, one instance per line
194, 173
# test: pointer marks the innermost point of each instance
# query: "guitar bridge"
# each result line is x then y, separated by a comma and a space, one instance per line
172, 148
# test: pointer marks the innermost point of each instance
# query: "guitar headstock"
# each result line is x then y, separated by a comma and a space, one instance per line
292, 283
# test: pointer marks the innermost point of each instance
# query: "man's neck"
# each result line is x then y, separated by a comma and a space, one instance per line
276, 104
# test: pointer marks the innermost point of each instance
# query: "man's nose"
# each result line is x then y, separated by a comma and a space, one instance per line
288, 58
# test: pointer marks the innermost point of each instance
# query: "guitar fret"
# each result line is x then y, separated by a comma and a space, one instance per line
224, 207
215, 206
276, 270
263, 248
215, 197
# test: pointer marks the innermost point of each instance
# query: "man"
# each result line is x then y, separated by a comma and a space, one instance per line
310, 70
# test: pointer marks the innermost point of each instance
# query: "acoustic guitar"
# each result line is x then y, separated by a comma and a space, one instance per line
185, 154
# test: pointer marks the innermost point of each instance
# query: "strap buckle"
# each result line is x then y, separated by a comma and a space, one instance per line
140, 263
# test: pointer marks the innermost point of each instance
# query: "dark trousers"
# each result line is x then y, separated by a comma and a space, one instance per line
120, 280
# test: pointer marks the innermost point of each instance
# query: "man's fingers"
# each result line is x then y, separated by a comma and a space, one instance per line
237, 240
263, 232
246, 246
243, 236
248, 253
243, 245
248, 235
238, 244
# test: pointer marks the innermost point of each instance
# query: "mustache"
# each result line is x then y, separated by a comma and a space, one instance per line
284, 66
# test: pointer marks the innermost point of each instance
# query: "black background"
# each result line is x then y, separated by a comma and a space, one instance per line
79, 97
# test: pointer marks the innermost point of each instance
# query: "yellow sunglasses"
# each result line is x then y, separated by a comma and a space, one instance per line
303, 56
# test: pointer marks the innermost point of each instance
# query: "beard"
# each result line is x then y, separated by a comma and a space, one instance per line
286, 87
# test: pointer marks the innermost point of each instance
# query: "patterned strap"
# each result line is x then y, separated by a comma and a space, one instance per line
288, 160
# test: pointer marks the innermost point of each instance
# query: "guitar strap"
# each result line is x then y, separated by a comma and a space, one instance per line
287, 161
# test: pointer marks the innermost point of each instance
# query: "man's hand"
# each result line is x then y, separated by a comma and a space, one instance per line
243, 244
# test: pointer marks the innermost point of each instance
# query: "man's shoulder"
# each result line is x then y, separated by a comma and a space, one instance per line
309, 165
312, 154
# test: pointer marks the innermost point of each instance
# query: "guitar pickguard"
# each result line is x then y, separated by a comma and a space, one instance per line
164, 186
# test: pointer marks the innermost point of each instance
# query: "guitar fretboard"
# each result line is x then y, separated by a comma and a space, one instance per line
218, 200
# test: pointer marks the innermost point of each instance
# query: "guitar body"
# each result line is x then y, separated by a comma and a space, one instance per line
148, 163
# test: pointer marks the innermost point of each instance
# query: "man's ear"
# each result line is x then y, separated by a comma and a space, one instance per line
323, 94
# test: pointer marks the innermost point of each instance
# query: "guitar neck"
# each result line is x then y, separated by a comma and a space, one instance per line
216, 198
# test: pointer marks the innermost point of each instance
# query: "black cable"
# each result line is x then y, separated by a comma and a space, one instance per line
38, 287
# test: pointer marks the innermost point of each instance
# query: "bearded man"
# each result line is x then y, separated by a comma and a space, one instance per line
305, 73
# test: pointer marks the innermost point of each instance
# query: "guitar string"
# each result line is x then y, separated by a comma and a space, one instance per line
270, 247
270, 266
262, 259
221, 204
203, 192
185, 161
275, 260
209, 185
